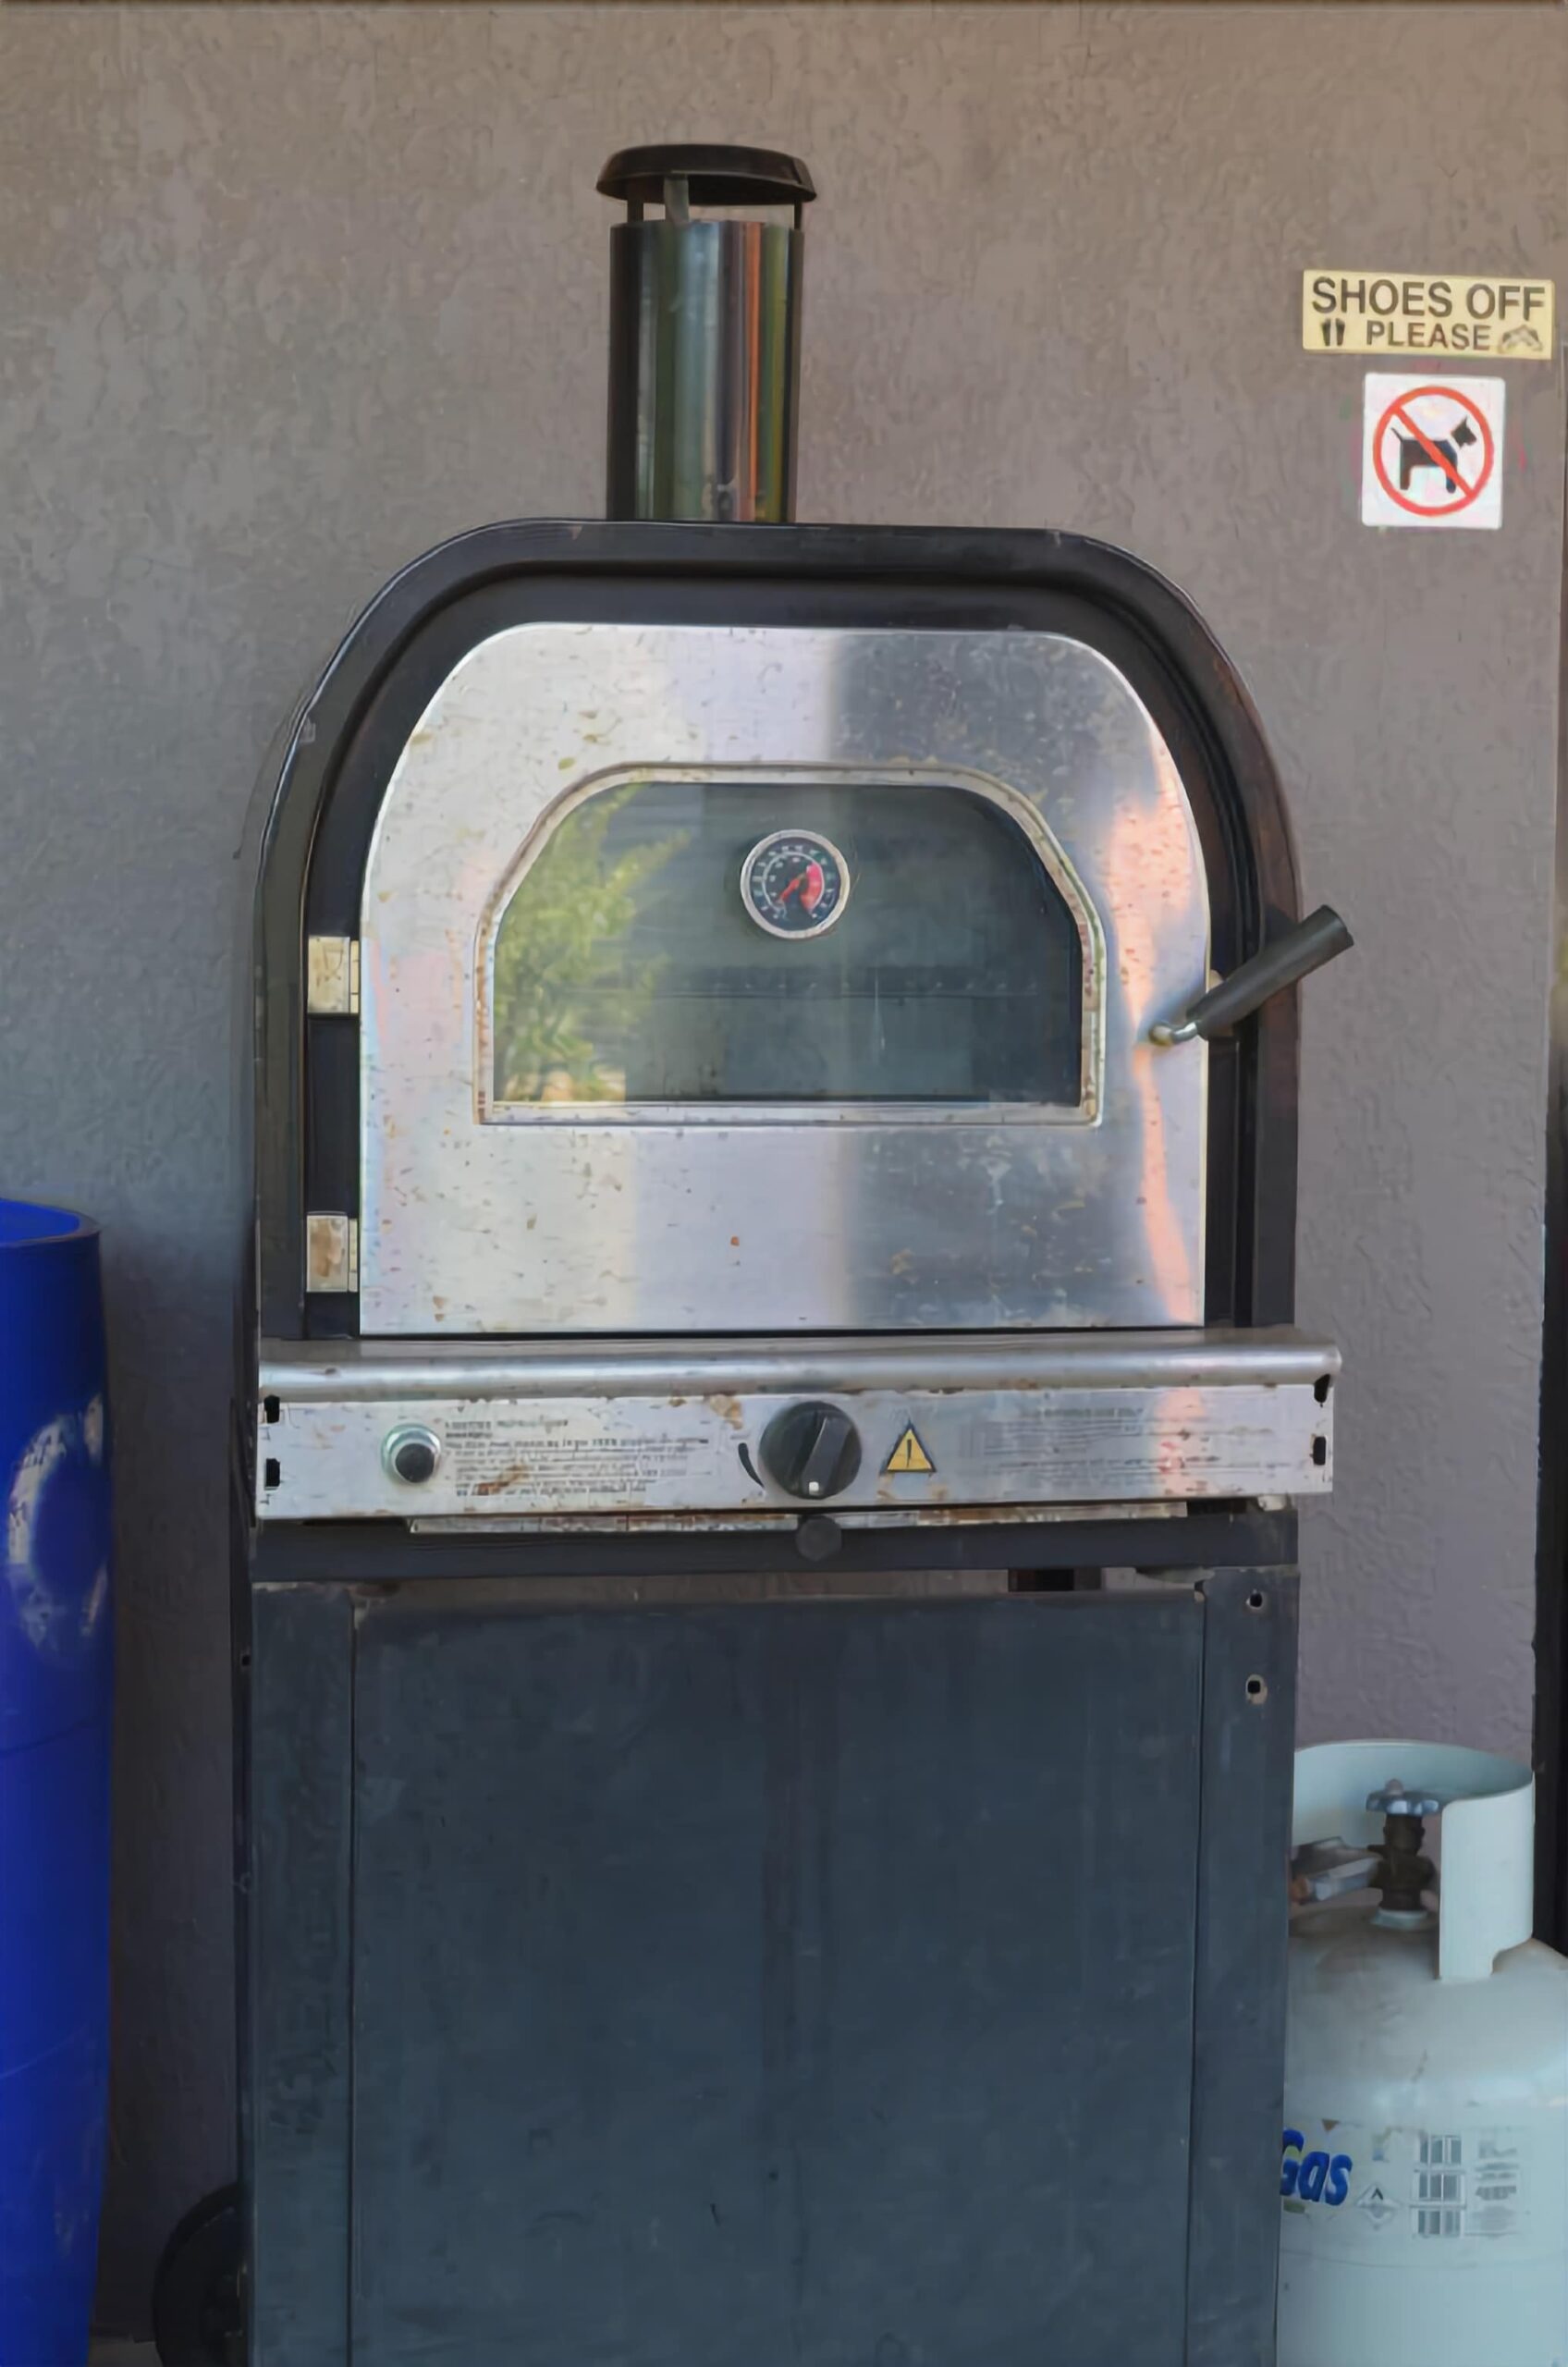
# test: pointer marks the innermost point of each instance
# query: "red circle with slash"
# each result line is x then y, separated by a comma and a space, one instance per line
1397, 420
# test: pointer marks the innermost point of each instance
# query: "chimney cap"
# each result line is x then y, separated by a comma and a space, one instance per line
713, 172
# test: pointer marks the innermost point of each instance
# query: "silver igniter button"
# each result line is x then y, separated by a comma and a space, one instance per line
411, 1452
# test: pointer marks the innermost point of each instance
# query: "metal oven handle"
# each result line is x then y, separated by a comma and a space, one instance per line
1301, 950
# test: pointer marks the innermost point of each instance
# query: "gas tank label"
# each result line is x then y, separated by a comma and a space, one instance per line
1357, 2191
1315, 2177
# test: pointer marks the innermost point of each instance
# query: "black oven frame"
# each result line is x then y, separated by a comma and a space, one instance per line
324, 796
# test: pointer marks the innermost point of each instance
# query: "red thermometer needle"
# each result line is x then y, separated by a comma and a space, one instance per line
811, 880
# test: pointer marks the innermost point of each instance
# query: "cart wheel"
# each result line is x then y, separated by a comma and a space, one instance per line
198, 2320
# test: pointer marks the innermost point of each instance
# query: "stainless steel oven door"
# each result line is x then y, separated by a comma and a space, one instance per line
789, 979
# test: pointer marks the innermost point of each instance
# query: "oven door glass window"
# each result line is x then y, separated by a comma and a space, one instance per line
703, 941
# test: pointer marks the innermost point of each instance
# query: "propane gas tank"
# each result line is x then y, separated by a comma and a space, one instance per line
1425, 2171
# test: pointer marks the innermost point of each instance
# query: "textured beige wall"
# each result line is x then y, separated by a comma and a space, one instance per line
292, 293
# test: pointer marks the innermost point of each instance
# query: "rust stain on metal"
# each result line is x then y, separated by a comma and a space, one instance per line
729, 1409
513, 1477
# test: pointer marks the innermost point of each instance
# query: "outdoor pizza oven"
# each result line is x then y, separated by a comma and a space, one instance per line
774, 1126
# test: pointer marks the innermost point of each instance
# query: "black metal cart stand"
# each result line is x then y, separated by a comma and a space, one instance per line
889, 1980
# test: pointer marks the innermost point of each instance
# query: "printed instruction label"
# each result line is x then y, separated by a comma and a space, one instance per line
526, 1453
1398, 312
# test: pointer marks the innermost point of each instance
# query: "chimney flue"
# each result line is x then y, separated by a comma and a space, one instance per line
705, 335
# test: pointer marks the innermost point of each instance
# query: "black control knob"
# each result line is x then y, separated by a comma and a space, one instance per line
411, 1453
811, 1449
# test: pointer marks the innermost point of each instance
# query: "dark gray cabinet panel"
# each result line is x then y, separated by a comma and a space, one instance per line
806, 1982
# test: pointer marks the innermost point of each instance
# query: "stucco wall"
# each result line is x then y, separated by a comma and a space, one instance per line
291, 294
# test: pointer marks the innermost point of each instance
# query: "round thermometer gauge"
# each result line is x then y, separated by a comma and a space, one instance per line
794, 883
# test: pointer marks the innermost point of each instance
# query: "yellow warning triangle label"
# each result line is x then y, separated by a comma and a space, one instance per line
909, 1454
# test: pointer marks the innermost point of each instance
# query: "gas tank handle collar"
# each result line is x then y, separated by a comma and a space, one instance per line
1345, 1794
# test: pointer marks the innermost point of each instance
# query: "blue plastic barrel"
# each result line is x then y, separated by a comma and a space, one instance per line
56, 1682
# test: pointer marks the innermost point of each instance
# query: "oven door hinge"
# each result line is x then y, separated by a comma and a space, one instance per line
332, 1252
332, 977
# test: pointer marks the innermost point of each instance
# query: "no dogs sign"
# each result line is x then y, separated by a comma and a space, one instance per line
1431, 451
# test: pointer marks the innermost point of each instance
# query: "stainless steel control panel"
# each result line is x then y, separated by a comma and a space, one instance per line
895, 1429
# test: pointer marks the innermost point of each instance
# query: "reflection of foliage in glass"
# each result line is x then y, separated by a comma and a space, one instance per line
559, 943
